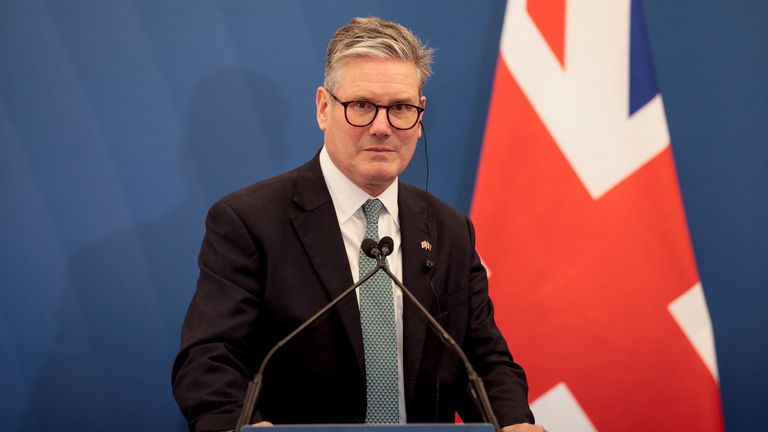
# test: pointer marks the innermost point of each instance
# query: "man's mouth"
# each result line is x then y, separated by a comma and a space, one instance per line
380, 149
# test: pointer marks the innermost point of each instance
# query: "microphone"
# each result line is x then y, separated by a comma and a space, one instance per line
371, 249
379, 250
387, 246
476, 388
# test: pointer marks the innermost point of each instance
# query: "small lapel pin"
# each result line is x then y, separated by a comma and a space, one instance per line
427, 246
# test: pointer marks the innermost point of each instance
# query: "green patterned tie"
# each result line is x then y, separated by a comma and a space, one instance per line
377, 318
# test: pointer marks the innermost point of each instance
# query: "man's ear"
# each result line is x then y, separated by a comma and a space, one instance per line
322, 105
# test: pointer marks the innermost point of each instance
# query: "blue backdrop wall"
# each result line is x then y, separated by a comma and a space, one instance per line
122, 121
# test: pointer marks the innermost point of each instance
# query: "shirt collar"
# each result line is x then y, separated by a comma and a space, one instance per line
347, 197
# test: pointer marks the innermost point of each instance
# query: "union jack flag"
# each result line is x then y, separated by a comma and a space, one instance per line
581, 226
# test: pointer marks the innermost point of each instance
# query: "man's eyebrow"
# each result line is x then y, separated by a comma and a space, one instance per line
400, 100
403, 101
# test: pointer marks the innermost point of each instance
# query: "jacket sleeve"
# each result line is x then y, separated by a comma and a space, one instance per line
487, 350
218, 355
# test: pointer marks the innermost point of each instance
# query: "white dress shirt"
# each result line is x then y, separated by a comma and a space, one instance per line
348, 200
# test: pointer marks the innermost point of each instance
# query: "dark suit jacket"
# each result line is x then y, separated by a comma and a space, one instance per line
273, 255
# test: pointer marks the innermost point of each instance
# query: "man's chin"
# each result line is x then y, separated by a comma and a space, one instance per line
382, 178
378, 181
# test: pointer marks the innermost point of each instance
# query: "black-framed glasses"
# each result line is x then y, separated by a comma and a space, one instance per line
401, 116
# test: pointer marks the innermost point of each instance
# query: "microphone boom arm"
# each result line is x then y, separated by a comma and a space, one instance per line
379, 251
254, 386
476, 386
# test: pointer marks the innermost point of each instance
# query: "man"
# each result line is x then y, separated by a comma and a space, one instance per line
277, 251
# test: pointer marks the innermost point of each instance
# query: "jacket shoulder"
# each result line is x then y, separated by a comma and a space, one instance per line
435, 207
276, 192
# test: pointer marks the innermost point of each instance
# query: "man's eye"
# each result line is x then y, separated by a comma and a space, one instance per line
361, 105
402, 108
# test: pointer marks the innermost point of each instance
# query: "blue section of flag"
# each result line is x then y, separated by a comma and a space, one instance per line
642, 76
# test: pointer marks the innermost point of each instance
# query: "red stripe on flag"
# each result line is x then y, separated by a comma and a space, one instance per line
549, 17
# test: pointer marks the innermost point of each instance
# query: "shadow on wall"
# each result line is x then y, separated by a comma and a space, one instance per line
120, 313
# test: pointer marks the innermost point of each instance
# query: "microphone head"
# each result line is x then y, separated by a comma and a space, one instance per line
386, 245
370, 248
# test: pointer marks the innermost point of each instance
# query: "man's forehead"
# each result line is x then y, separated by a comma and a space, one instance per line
390, 78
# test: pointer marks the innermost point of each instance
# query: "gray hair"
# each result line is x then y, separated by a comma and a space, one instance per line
376, 38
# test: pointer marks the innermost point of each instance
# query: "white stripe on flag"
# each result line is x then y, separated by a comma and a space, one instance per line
691, 313
559, 410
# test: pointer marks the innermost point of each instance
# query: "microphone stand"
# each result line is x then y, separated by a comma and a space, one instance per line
254, 387
379, 252
476, 387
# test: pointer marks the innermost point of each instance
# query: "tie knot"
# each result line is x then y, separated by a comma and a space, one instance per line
372, 208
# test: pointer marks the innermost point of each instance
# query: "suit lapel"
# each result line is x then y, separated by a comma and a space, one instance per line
415, 228
318, 229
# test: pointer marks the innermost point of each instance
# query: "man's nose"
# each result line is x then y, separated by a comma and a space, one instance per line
380, 125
